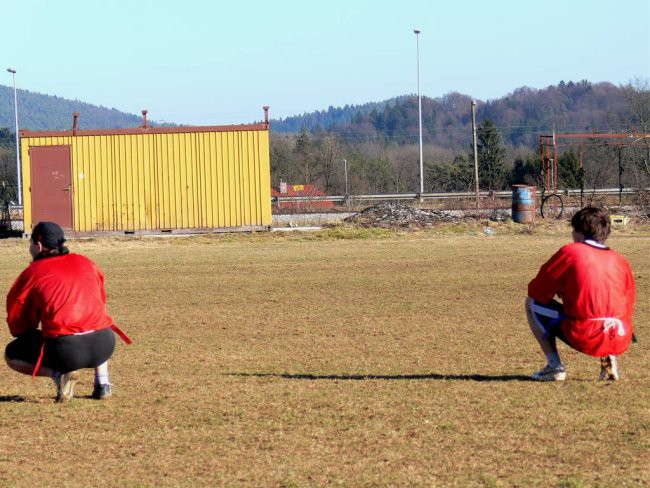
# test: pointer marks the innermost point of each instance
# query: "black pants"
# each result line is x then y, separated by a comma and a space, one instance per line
64, 353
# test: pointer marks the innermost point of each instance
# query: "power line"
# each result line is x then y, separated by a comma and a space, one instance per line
401, 135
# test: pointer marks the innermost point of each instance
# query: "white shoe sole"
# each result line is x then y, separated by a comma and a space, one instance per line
68, 382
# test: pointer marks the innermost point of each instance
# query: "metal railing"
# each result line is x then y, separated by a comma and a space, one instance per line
444, 196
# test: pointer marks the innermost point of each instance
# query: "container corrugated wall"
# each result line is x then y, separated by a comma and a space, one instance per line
202, 179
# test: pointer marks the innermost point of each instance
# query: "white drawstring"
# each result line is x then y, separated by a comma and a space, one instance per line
612, 323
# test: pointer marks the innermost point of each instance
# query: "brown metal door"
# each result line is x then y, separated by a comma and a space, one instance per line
51, 185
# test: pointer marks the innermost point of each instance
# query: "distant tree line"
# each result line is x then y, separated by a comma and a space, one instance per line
382, 153
7, 166
387, 167
521, 116
45, 112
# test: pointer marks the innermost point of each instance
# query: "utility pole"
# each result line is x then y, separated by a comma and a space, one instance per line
620, 177
345, 166
478, 205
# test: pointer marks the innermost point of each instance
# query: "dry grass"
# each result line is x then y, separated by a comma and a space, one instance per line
341, 357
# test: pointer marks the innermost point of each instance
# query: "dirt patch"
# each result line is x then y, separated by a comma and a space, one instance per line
393, 215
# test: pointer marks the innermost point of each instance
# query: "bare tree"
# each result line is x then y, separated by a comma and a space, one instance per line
637, 97
8, 188
329, 160
404, 163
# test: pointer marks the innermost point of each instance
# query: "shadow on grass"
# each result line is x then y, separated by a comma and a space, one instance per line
10, 234
361, 377
12, 399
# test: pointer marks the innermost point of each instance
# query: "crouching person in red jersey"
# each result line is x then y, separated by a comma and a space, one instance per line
65, 294
596, 286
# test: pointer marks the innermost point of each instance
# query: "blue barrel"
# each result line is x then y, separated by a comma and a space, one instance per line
523, 204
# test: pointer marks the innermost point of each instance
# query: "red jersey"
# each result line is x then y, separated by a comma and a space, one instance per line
65, 294
597, 289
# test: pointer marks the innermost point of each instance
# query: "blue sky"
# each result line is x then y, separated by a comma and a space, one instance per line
207, 62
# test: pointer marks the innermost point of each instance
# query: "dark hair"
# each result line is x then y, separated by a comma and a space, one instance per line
593, 223
51, 237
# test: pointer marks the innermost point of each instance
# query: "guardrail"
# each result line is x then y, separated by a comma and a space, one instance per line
443, 196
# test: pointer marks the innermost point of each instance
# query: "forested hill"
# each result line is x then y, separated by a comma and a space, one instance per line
520, 116
333, 116
46, 112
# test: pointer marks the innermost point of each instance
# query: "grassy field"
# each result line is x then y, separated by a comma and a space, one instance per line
354, 358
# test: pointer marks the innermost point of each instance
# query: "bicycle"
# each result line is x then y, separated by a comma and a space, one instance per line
552, 205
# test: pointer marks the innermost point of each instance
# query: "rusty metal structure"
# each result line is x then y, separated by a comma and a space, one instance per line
549, 145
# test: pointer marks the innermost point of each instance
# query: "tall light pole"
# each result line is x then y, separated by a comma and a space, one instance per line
417, 38
18, 172
476, 187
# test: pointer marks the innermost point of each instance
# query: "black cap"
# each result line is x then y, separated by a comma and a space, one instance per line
49, 234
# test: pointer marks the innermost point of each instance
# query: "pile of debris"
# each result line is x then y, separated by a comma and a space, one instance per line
393, 215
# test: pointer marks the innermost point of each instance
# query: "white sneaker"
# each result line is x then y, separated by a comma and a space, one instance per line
609, 368
547, 373
65, 386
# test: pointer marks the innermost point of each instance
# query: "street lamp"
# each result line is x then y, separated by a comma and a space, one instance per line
18, 172
417, 38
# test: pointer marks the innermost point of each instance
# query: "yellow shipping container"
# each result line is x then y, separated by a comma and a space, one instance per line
148, 179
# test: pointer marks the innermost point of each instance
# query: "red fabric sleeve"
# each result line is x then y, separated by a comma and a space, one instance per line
100, 279
549, 279
23, 313
630, 292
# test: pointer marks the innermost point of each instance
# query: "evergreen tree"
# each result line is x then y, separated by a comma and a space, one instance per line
6, 136
457, 175
304, 159
490, 156
526, 171
570, 173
